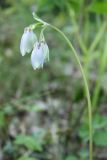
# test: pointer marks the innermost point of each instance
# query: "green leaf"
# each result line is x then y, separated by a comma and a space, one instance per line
72, 157
84, 132
84, 153
29, 142
26, 158
100, 138
98, 7
99, 121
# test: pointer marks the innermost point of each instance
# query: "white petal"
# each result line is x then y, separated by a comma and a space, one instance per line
31, 41
46, 52
27, 42
23, 44
44, 46
37, 57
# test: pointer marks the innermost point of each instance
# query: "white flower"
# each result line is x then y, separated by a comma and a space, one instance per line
37, 57
40, 54
27, 41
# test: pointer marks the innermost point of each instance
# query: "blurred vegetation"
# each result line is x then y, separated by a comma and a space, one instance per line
43, 113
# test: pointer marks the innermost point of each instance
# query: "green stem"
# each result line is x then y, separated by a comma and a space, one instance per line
97, 37
100, 76
93, 46
86, 88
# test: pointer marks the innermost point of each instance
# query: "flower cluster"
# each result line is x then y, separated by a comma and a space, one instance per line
40, 50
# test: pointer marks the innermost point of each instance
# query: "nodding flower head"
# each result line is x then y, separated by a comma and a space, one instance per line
27, 41
37, 57
40, 54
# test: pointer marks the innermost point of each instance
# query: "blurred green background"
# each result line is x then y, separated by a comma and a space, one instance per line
43, 113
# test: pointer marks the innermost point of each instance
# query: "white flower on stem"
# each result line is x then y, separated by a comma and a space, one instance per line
40, 54
37, 56
27, 41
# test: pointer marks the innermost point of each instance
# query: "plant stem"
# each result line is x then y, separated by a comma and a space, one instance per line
86, 89
93, 46
98, 37
100, 77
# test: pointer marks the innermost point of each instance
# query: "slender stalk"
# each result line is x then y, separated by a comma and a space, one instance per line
77, 33
100, 77
93, 46
86, 89
98, 37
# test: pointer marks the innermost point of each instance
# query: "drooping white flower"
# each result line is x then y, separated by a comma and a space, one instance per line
27, 41
40, 54
37, 56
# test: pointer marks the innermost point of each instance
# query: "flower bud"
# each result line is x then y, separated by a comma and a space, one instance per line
27, 41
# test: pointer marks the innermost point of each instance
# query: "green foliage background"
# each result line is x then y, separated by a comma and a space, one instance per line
43, 113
